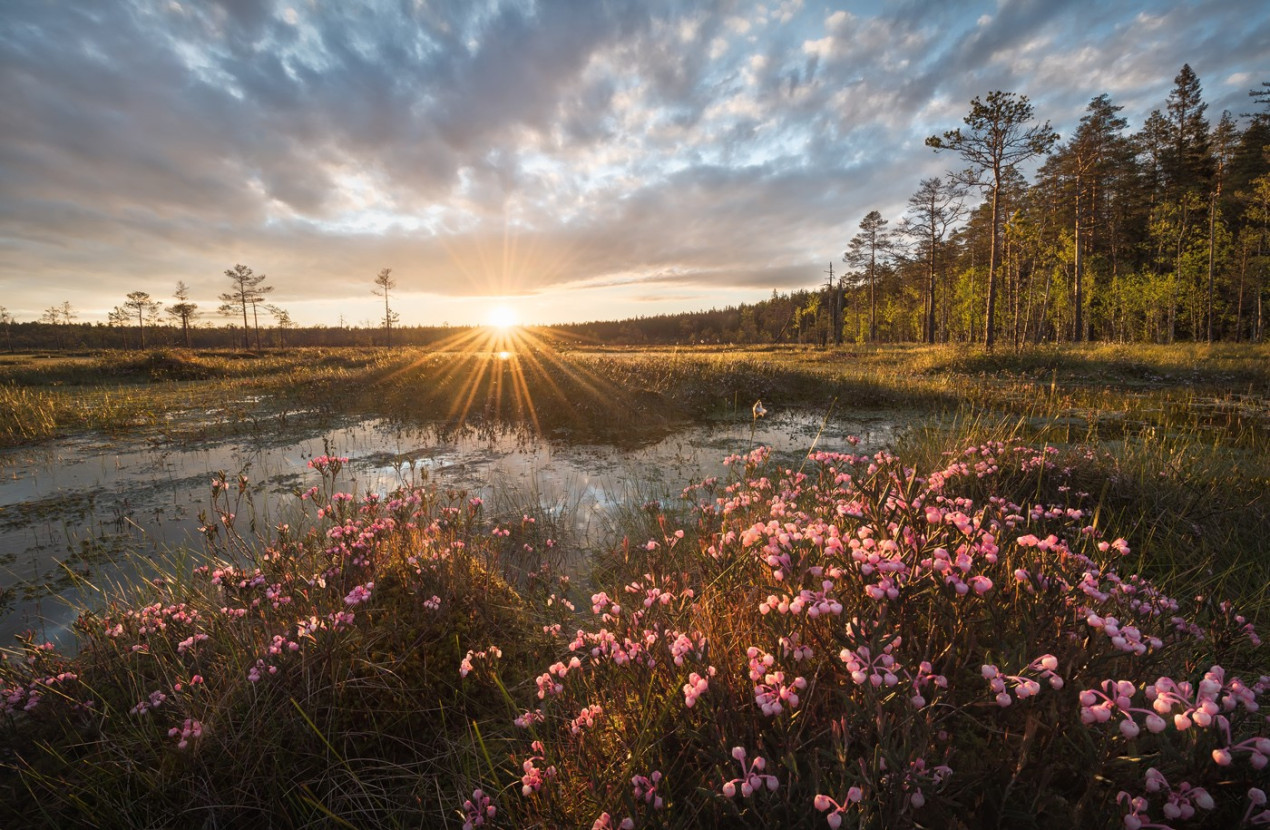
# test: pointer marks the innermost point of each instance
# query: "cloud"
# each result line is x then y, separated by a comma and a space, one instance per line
522, 146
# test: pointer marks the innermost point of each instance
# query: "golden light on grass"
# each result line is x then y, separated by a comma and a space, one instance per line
495, 366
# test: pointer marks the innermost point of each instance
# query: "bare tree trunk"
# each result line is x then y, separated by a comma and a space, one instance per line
1212, 223
989, 333
1239, 308
1078, 328
1045, 310
930, 290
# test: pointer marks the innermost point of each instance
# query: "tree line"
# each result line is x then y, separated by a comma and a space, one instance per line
140, 311
1157, 236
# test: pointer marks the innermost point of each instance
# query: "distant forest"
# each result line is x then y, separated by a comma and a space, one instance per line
1158, 235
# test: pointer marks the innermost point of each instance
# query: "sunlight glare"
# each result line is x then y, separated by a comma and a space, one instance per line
501, 317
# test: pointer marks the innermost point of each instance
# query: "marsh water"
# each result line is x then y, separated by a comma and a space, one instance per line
81, 516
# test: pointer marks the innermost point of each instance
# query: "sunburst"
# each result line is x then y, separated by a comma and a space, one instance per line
505, 371
501, 317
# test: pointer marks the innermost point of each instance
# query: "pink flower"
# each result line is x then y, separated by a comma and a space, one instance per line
479, 809
752, 779
694, 688
645, 788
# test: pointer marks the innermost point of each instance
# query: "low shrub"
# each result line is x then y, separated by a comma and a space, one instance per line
849, 642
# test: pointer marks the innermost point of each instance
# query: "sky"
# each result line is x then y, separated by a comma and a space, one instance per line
569, 160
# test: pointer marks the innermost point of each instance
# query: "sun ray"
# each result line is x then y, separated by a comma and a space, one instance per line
510, 374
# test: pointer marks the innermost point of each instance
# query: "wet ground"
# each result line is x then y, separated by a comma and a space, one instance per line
85, 513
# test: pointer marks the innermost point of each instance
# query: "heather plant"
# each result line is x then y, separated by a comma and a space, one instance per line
309, 672
858, 644
842, 640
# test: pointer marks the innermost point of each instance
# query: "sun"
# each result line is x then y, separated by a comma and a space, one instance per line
501, 317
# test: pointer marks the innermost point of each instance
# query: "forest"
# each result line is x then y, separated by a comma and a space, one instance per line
1154, 235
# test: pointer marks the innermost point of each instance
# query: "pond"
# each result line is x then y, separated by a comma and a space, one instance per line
83, 513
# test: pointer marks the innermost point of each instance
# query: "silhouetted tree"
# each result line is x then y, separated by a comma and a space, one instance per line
246, 290
6, 320
384, 282
59, 316
139, 302
120, 317
283, 321
183, 310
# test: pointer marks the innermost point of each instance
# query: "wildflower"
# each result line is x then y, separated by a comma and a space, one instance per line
535, 777
694, 688
359, 594
478, 808
645, 788
529, 718
1256, 799
191, 729
585, 719
759, 411
823, 803
752, 779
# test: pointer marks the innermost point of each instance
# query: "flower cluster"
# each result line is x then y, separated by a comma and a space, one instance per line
752, 779
1024, 687
479, 809
190, 730
836, 810
535, 777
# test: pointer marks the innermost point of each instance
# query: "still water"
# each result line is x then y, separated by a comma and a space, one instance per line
84, 513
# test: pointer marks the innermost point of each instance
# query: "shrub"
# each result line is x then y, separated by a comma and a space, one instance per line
849, 642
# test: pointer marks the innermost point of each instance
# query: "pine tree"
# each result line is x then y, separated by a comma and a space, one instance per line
1188, 164
139, 303
997, 140
246, 290
869, 249
384, 282
933, 209
183, 310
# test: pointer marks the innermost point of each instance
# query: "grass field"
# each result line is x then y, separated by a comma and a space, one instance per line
1039, 610
1223, 388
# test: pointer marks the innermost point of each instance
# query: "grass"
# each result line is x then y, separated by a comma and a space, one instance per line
605, 392
918, 639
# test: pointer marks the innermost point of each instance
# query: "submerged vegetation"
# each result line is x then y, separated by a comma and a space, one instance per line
1040, 609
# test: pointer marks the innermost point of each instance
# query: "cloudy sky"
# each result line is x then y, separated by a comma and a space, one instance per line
580, 159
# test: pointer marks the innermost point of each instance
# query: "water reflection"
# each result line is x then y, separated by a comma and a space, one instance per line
74, 512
